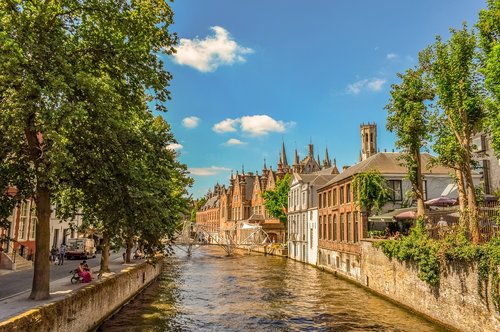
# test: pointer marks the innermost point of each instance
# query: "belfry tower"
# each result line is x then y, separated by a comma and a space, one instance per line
368, 140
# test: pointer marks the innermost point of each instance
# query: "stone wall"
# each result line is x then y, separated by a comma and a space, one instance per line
343, 263
455, 302
86, 308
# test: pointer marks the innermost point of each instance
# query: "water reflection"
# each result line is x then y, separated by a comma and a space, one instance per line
211, 292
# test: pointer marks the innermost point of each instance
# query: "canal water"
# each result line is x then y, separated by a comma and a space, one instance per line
211, 292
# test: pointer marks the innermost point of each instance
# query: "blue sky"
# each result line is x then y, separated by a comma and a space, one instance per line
251, 74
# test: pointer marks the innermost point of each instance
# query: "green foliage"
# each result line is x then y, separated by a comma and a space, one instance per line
370, 190
489, 32
409, 118
77, 79
416, 247
430, 255
276, 200
197, 205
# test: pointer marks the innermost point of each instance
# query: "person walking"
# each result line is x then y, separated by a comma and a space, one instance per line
62, 252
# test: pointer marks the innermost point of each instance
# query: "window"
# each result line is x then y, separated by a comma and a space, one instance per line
424, 186
395, 190
324, 199
330, 227
324, 227
349, 227
34, 220
341, 227
348, 193
304, 198
23, 220
334, 193
356, 235
342, 195
329, 198
334, 227
320, 229
319, 202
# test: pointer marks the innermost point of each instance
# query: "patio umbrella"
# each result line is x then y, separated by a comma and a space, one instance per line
442, 201
406, 215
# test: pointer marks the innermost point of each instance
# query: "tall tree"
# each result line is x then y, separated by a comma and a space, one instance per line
276, 200
409, 118
62, 63
489, 32
454, 71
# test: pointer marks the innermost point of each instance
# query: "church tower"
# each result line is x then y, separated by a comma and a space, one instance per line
368, 140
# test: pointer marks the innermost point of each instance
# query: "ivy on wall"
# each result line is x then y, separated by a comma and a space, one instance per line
431, 255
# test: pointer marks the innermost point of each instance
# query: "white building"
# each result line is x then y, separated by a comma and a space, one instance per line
303, 215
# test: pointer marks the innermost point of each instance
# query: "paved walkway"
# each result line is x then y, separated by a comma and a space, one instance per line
59, 289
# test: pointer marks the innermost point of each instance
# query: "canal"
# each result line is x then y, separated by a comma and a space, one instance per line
211, 292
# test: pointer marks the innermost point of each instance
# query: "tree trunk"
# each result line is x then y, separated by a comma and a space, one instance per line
472, 204
462, 198
128, 251
419, 185
40, 289
105, 253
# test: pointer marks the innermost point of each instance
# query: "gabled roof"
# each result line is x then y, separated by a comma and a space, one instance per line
388, 163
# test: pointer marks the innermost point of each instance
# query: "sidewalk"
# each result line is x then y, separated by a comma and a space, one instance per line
59, 289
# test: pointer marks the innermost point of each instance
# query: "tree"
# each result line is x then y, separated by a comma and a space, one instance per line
453, 68
489, 32
197, 206
370, 190
73, 72
409, 119
276, 200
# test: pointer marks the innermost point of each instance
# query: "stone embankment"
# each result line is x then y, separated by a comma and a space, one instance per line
456, 303
86, 308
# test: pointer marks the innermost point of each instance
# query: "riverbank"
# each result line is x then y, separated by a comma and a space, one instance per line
80, 307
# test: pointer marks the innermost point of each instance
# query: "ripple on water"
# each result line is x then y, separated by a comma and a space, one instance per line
212, 292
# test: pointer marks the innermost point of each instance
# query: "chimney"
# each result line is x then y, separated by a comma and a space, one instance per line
345, 167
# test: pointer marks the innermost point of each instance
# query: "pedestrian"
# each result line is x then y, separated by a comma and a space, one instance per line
62, 253
54, 253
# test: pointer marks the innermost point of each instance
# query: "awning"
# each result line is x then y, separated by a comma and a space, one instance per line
389, 216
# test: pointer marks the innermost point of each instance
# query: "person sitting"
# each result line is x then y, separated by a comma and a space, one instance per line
84, 272
138, 254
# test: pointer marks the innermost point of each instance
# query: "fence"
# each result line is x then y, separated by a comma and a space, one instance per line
443, 222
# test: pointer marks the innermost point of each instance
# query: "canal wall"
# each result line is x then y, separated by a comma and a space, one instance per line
86, 308
455, 301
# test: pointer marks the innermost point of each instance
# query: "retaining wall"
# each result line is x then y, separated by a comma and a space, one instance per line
86, 308
455, 302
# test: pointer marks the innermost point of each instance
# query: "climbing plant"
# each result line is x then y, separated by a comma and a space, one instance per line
431, 255
370, 190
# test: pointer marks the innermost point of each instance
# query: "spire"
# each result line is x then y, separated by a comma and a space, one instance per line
243, 169
311, 151
317, 160
296, 158
327, 163
283, 160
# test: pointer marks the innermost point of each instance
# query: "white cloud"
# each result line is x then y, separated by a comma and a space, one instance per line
228, 125
208, 171
190, 122
234, 141
175, 146
376, 84
259, 125
252, 125
206, 55
391, 56
373, 84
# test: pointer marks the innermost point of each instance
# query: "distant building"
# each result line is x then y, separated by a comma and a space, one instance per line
303, 215
488, 163
242, 202
341, 222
